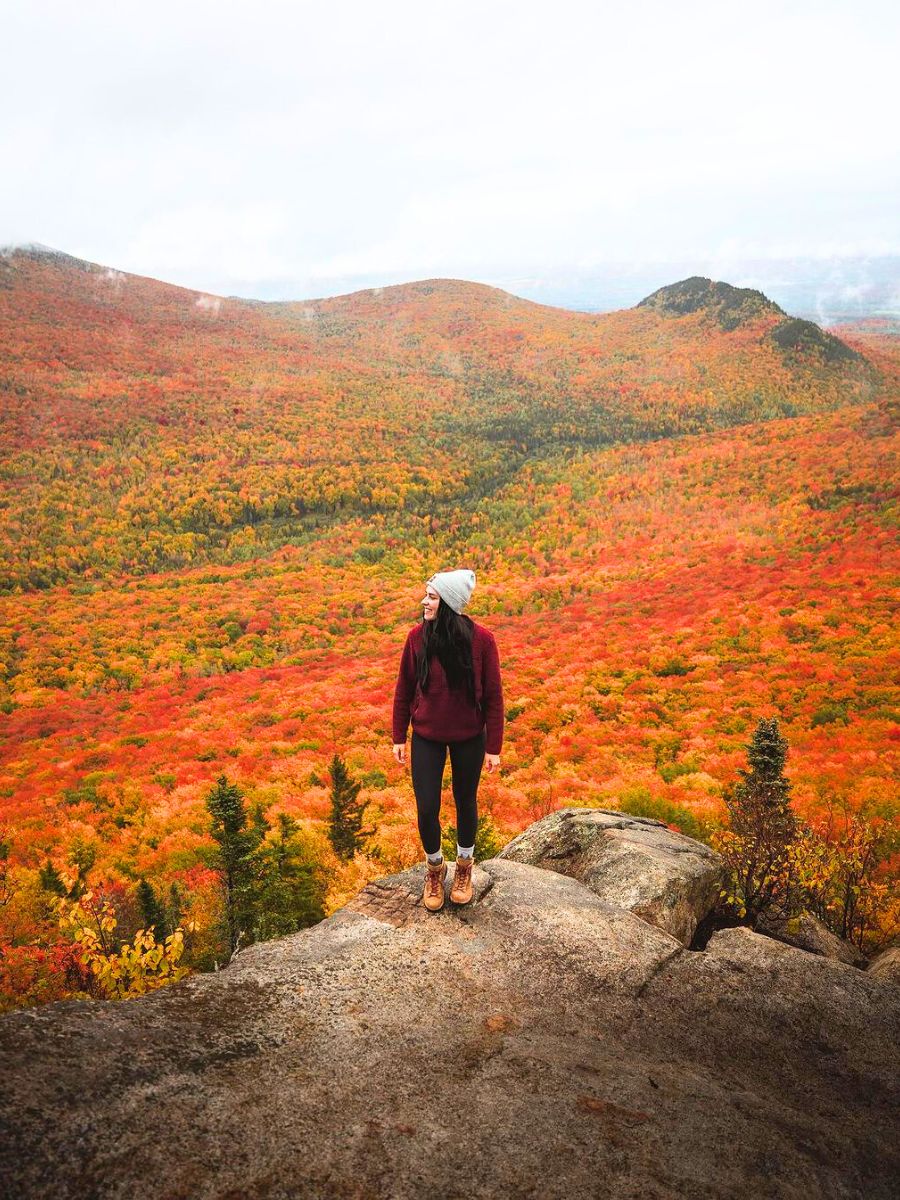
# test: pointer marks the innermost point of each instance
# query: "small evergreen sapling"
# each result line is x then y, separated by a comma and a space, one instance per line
487, 842
152, 911
758, 847
291, 890
345, 831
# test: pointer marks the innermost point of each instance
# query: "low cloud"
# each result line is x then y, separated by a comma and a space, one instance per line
297, 146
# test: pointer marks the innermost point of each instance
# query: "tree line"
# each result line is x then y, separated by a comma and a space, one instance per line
777, 868
270, 883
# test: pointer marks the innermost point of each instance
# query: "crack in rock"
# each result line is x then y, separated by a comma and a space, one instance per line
658, 969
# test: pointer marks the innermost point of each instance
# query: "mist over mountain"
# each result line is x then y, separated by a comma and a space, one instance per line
829, 291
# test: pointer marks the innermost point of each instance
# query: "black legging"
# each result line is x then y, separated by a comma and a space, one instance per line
427, 766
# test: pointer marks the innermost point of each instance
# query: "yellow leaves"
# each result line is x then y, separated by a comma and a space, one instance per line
733, 900
138, 967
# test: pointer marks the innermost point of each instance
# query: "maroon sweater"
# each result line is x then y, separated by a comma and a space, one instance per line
439, 713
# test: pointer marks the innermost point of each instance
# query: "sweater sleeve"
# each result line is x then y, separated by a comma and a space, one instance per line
404, 691
492, 697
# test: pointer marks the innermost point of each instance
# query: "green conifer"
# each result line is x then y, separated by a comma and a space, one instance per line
235, 859
152, 911
292, 889
51, 880
175, 905
763, 828
345, 830
487, 842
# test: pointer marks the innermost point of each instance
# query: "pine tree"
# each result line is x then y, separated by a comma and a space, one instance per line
259, 824
7, 889
345, 830
237, 844
51, 880
292, 891
152, 911
82, 856
175, 905
763, 829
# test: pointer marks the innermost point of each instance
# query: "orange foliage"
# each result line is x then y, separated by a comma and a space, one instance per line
651, 600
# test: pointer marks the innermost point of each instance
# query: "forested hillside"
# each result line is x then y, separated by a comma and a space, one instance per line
219, 516
146, 427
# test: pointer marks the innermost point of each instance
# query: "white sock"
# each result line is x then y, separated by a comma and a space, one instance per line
464, 851
436, 857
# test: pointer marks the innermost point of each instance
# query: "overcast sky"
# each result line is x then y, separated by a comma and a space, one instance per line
301, 149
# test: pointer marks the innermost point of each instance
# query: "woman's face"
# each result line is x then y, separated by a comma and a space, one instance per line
430, 602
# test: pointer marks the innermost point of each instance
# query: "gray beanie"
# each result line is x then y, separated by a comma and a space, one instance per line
454, 587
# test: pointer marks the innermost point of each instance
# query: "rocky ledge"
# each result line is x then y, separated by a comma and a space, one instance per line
539, 1042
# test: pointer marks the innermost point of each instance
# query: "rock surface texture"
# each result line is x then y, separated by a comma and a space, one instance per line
809, 933
637, 863
538, 1042
887, 965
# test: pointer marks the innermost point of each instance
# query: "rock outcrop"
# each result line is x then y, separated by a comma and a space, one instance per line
637, 863
887, 965
539, 1042
807, 932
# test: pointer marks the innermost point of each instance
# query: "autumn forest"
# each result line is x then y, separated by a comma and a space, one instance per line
219, 515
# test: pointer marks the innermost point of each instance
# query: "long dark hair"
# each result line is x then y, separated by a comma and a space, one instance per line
449, 636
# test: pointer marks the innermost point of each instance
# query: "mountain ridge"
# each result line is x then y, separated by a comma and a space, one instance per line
729, 304
460, 305
406, 376
39, 253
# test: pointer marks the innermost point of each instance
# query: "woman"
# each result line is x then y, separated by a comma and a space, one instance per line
449, 685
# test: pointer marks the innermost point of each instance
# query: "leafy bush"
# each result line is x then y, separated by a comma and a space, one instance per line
116, 973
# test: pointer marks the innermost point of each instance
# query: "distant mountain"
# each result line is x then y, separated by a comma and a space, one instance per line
731, 307
827, 290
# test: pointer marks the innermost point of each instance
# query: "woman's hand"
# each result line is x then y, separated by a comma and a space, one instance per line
400, 752
492, 762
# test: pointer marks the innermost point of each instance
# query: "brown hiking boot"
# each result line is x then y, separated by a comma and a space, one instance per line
461, 892
433, 894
